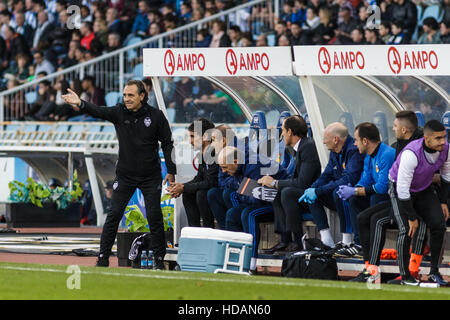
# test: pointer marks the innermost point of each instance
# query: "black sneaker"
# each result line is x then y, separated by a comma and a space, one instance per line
362, 277
159, 264
102, 262
348, 251
437, 278
410, 281
338, 246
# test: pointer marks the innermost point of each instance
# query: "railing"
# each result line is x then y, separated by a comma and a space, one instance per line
112, 70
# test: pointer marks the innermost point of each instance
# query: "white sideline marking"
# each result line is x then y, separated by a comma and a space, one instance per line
240, 280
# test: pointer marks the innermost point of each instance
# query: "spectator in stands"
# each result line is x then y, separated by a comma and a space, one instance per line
373, 185
19, 70
283, 41
100, 40
64, 111
287, 210
371, 36
203, 39
23, 29
357, 36
234, 33
42, 64
87, 32
405, 11
197, 14
363, 15
398, 35
185, 13
85, 14
43, 29
445, 31
343, 168
219, 36
183, 91
5, 19
299, 11
113, 42
60, 107
280, 29
348, 24
246, 40
45, 92
92, 93
141, 23
431, 33
385, 31
113, 22
341, 5
14, 44
195, 191
151, 94
312, 19
14, 105
261, 41
324, 32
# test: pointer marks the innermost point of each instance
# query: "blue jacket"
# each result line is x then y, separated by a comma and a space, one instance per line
342, 168
375, 175
224, 178
141, 23
253, 170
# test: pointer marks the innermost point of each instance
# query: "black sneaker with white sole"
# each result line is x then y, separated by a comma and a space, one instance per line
410, 281
159, 264
349, 251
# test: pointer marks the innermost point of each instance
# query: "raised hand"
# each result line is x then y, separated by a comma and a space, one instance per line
71, 98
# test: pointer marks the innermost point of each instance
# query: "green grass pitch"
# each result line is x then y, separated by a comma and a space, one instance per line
33, 281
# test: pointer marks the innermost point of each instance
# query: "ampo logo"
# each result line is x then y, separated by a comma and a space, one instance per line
169, 62
231, 62
324, 60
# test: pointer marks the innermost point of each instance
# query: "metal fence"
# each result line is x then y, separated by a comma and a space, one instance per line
112, 70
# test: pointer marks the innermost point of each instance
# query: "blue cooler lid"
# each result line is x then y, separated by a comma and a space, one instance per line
214, 234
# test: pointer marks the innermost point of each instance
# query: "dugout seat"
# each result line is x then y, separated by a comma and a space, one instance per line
446, 122
346, 119
308, 123
258, 132
380, 120
282, 155
420, 119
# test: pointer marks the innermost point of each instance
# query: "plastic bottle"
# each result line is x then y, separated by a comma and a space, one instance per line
150, 259
144, 260
428, 285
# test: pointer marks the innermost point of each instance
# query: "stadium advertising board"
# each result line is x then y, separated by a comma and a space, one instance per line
387, 60
223, 62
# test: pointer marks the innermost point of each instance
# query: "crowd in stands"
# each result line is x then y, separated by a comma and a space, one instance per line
39, 37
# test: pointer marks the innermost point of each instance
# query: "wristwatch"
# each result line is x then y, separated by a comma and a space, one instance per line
274, 184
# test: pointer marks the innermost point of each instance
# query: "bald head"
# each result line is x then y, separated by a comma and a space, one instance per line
229, 159
334, 136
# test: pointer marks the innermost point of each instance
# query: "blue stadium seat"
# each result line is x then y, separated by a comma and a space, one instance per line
171, 112
286, 160
308, 123
420, 119
433, 11
138, 71
31, 97
346, 119
446, 122
258, 131
112, 98
132, 53
379, 119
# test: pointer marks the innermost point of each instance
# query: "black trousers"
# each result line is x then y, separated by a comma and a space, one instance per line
196, 206
427, 205
287, 210
373, 223
125, 187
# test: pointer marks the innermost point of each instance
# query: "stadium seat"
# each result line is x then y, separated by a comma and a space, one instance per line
258, 131
132, 53
379, 119
308, 123
272, 117
138, 71
285, 159
31, 97
271, 40
420, 119
112, 98
346, 119
433, 11
446, 122
171, 112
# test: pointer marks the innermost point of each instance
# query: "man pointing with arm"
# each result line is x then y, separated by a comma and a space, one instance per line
139, 128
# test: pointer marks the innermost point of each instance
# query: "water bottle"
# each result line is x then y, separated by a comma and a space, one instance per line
150, 259
429, 285
144, 260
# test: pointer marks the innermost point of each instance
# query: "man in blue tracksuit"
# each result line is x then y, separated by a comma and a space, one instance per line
373, 185
220, 198
344, 167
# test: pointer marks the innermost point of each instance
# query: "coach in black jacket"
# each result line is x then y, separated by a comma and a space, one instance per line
139, 128
288, 212
195, 191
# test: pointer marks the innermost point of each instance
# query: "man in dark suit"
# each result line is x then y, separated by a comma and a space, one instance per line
288, 219
195, 191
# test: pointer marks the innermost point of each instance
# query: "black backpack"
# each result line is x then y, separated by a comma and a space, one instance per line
314, 263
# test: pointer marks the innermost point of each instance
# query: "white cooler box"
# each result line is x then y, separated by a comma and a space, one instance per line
212, 250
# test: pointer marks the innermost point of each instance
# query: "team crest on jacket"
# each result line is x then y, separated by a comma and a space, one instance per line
115, 185
147, 121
